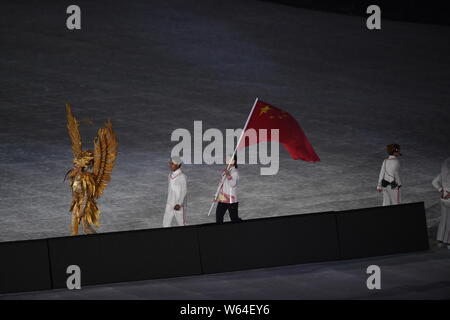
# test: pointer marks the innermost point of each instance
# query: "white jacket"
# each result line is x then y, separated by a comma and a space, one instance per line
390, 171
437, 183
228, 191
177, 189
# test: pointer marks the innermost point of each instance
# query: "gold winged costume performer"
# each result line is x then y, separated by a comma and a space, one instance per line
91, 173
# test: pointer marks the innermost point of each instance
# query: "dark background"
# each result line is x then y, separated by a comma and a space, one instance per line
434, 11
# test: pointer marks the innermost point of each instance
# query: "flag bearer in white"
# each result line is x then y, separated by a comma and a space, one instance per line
176, 198
227, 198
442, 184
389, 181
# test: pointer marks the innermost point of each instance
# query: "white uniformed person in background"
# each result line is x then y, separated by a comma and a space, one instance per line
389, 181
442, 184
227, 197
176, 198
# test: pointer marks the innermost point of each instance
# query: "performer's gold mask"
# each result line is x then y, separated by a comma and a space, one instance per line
86, 160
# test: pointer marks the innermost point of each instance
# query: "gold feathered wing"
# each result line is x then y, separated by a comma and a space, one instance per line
105, 153
74, 132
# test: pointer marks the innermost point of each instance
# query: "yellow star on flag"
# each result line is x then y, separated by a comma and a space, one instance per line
264, 110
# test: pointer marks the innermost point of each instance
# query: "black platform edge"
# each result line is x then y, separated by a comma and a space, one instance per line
24, 266
41, 264
268, 242
382, 230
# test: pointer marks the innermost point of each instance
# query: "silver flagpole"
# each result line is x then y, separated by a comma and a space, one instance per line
231, 159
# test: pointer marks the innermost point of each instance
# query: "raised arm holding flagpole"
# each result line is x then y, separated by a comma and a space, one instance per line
231, 159
291, 136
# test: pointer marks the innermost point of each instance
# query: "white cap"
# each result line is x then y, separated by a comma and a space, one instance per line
177, 160
229, 159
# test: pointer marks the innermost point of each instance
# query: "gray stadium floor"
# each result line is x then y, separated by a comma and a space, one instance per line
154, 68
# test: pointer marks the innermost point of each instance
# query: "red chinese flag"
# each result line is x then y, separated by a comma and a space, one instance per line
291, 135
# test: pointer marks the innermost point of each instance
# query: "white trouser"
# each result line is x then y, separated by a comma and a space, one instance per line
391, 196
170, 213
443, 233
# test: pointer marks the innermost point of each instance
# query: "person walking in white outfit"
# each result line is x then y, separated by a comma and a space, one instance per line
442, 184
389, 181
176, 198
